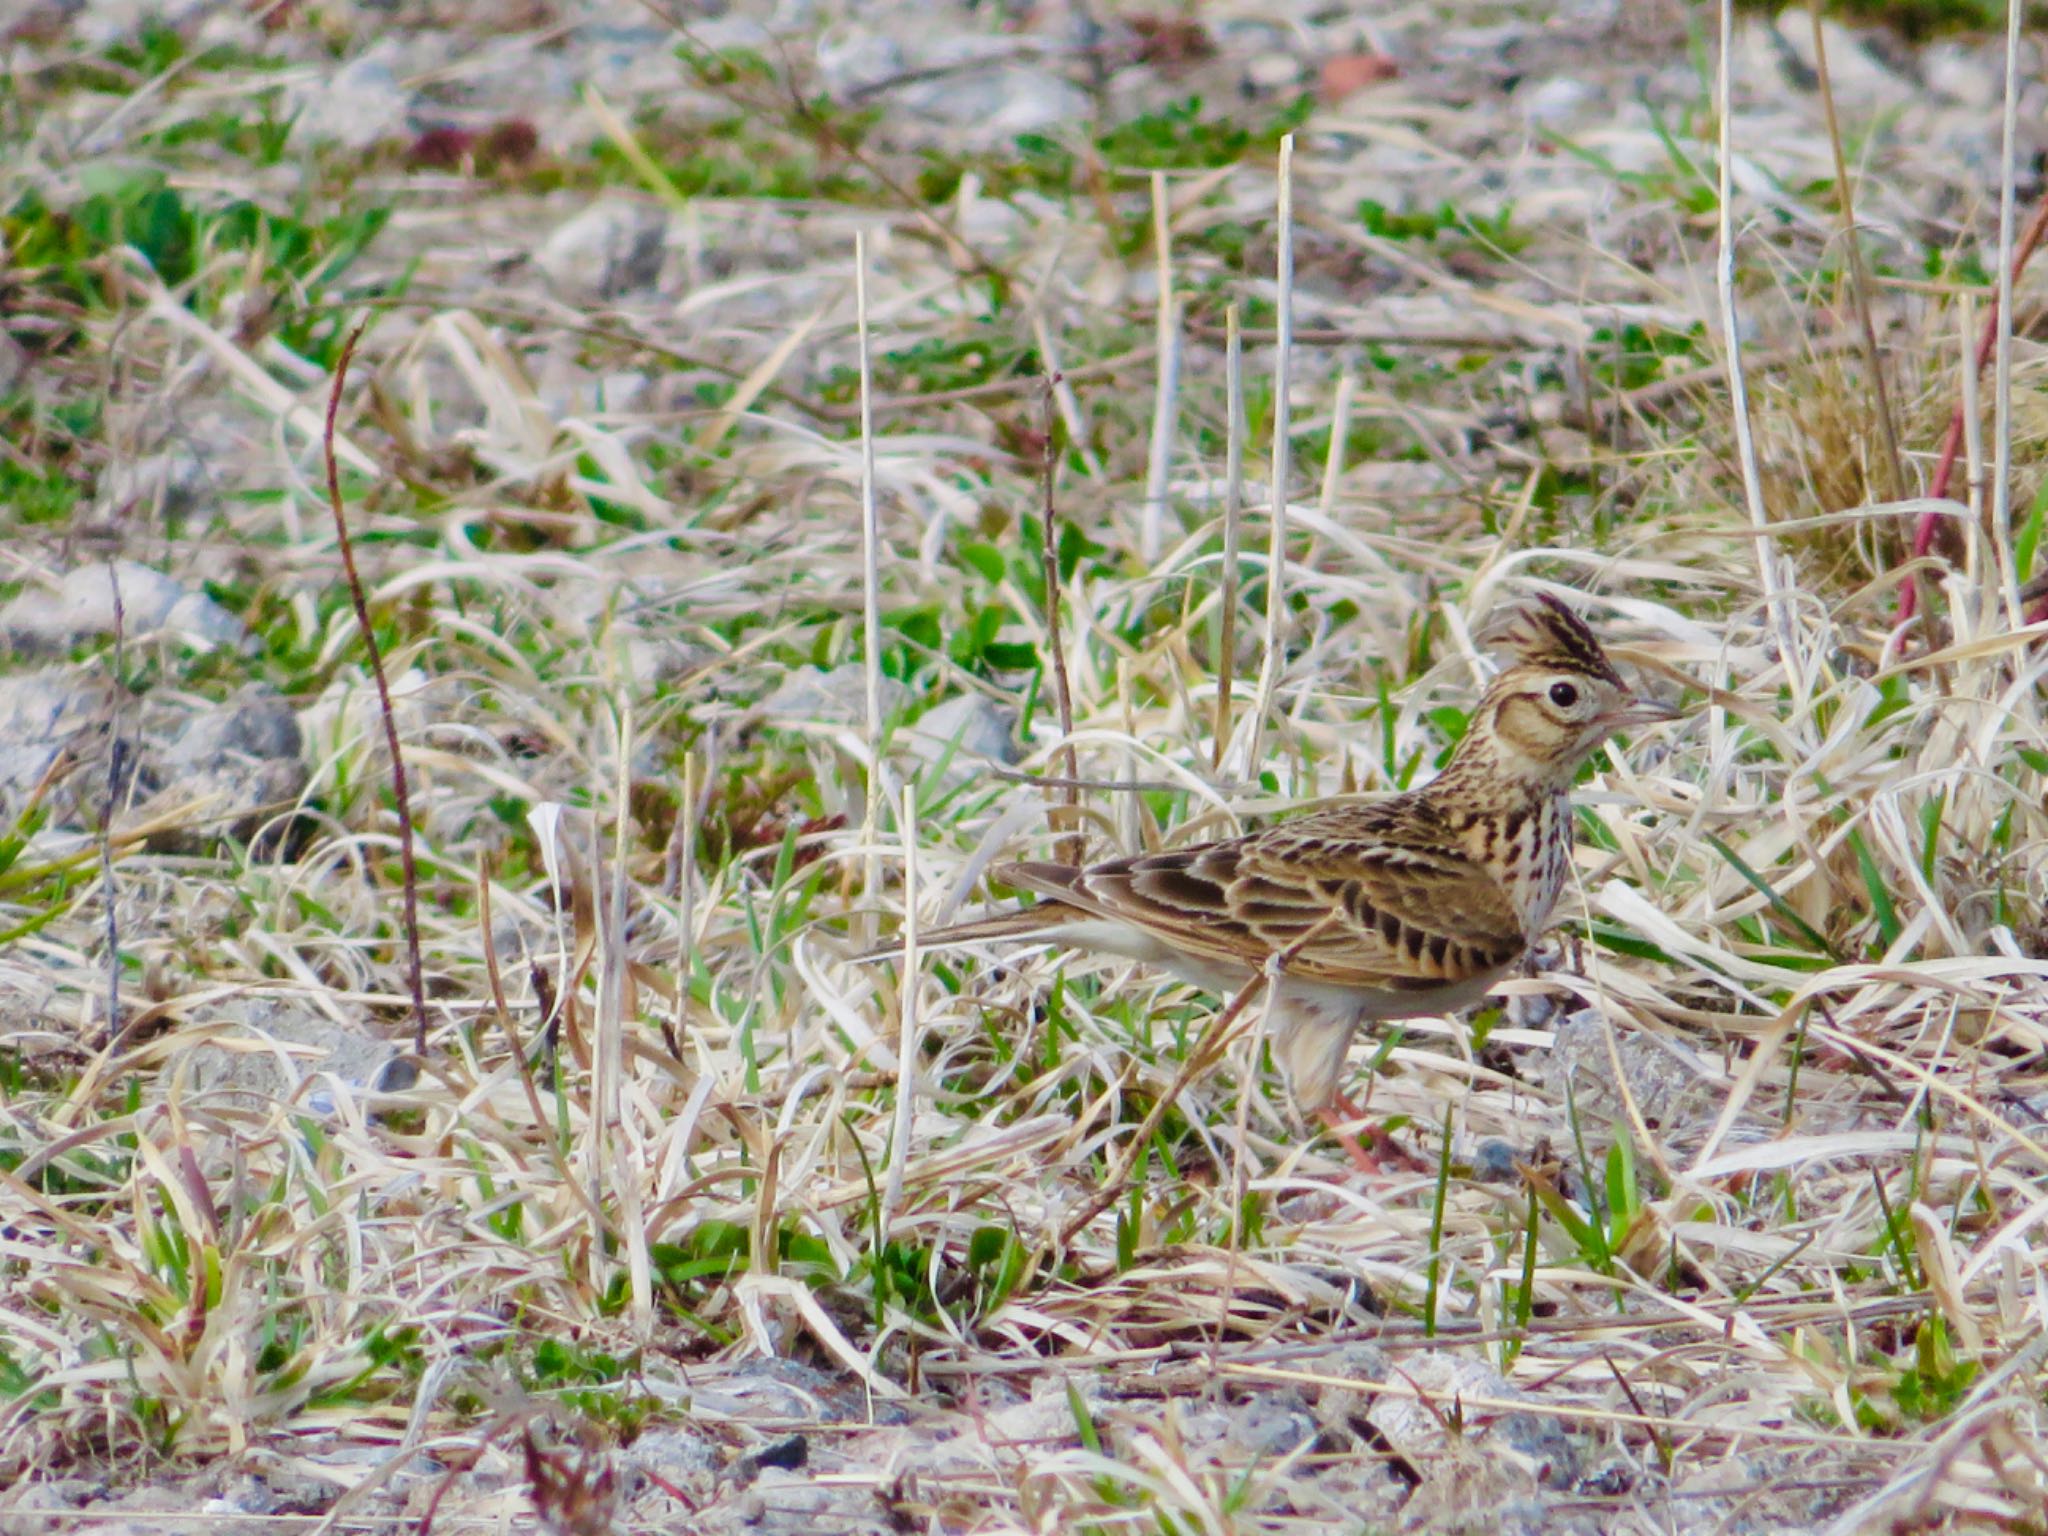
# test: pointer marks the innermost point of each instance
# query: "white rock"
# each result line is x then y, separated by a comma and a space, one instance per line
1273, 70
102, 24
809, 696
623, 393
1963, 72
360, 104
151, 605
854, 58
167, 484
611, 248
1854, 68
271, 1046
989, 108
1550, 101
41, 714
966, 733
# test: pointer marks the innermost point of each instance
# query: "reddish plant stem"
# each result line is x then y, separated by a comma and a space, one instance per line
406, 863
1987, 343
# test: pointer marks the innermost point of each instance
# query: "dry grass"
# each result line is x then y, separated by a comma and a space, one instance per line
1730, 1220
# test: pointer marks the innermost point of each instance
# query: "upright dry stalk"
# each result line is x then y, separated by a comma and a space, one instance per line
614, 1002
1777, 607
1859, 279
1276, 547
608, 906
1340, 429
409, 870
686, 899
870, 582
1233, 518
1074, 845
907, 1043
1159, 460
2001, 397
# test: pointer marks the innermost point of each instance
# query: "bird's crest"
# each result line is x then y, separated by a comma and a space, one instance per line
1543, 632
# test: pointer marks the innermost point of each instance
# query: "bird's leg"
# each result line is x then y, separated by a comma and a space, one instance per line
1339, 1110
1371, 1151
1336, 1115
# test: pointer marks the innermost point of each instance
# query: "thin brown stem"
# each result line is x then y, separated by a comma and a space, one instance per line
407, 865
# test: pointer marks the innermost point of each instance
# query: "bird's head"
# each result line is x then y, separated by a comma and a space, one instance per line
1558, 698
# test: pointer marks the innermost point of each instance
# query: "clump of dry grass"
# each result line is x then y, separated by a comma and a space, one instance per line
1750, 1180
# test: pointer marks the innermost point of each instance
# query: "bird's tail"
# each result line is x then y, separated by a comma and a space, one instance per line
1025, 923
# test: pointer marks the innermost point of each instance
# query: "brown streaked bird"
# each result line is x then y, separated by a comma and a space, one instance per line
1405, 907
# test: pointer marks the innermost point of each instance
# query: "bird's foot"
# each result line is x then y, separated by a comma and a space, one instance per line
1371, 1150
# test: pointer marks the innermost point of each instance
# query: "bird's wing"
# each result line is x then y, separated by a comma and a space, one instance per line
1377, 896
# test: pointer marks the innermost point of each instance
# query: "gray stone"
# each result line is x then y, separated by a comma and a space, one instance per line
854, 59
677, 1454
359, 105
1493, 1160
255, 724
611, 248
41, 714
63, 1493
285, 1049
241, 762
1677, 1094
167, 484
238, 764
1855, 68
235, 1501
1271, 1425
1545, 1442
988, 107
793, 1503
966, 733
83, 607
809, 696
774, 1388
1966, 73
1552, 101
102, 24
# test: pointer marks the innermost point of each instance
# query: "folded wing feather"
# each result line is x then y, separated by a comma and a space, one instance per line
1409, 910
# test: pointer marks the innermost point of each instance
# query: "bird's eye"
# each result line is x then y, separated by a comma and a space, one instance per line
1563, 695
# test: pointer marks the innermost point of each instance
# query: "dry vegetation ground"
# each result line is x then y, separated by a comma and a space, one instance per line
1730, 1219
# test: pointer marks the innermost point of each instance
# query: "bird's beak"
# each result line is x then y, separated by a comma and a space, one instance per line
1644, 712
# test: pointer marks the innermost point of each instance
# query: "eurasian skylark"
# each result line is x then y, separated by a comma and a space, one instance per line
1406, 907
